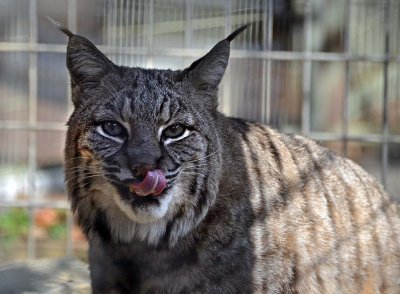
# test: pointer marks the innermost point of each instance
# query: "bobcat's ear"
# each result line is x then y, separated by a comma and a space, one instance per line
86, 64
206, 73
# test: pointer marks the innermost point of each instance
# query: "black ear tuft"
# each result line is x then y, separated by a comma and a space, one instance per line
60, 27
237, 32
206, 73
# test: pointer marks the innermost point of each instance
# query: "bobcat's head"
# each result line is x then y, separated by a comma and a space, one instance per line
142, 153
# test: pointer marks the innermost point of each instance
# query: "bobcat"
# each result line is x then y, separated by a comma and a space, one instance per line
175, 197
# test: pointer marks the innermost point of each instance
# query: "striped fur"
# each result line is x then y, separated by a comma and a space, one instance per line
246, 209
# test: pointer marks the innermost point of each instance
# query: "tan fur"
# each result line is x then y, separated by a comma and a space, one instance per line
341, 233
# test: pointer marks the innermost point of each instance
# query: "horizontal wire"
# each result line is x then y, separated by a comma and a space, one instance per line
189, 52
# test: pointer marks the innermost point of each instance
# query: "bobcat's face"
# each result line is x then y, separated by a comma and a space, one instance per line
134, 128
141, 123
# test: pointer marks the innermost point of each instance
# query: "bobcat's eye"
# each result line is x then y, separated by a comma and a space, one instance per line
174, 131
111, 129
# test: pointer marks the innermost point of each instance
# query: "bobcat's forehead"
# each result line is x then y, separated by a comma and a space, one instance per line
136, 95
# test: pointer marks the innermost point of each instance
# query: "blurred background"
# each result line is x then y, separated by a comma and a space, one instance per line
326, 69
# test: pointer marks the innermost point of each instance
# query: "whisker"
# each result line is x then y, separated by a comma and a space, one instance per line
193, 174
85, 170
205, 157
80, 184
75, 157
77, 176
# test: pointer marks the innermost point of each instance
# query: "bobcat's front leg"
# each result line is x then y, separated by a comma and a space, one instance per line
110, 272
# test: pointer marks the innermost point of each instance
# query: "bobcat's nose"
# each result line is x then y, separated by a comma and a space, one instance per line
139, 171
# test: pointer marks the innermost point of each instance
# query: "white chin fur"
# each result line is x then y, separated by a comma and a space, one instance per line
146, 224
145, 214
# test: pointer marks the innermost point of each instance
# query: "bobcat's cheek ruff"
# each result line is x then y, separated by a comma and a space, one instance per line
153, 184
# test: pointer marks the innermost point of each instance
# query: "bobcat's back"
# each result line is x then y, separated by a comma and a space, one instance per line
321, 223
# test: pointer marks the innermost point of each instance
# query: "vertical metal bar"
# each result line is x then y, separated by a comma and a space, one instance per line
126, 32
114, 26
251, 28
347, 45
32, 117
120, 20
269, 62
139, 33
226, 94
307, 67
104, 31
257, 17
245, 20
244, 66
385, 144
150, 35
133, 31
107, 17
72, 16
268, 18
72, 24
188, 23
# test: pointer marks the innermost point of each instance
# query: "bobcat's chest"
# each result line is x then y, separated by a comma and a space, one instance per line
137, 269
171, 273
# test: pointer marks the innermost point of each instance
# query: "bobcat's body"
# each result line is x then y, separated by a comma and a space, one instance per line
246, 209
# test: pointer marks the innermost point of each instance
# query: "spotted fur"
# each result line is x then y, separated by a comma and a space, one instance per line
246, 209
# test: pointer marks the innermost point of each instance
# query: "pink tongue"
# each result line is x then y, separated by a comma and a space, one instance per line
153, 184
